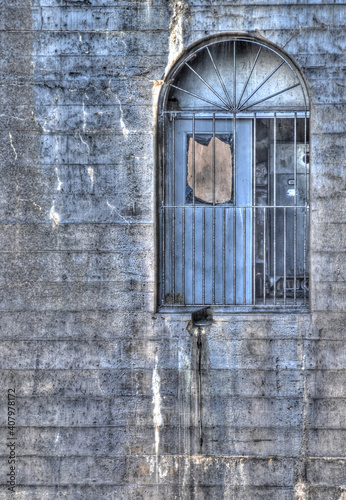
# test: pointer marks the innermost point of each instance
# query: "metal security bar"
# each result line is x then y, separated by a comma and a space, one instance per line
250, 254
201, 280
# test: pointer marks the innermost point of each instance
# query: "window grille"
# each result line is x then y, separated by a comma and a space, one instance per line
233, 212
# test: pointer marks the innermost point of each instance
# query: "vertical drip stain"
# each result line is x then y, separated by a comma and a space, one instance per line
199, 353
157, 417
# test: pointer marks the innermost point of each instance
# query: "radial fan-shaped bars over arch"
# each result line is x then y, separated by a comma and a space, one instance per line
237, 76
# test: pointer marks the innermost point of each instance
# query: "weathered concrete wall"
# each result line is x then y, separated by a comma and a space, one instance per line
106, 388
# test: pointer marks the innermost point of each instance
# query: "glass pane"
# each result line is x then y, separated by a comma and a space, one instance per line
282, 186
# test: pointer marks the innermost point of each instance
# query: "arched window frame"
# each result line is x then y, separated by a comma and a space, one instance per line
170, 299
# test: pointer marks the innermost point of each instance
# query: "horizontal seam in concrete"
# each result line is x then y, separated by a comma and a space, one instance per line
86, 251
141, 427
198, 457
99, 369
61, 223
77, 32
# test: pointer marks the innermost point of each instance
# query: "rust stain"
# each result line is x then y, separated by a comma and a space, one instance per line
144, 469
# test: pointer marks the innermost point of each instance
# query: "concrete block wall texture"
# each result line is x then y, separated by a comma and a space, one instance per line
106, 388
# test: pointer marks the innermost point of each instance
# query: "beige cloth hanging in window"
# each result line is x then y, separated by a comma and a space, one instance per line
204, 171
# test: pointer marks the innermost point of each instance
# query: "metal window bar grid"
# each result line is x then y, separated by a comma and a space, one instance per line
219, 259
221, 295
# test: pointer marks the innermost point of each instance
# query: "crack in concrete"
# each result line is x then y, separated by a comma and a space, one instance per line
31, 201
12, 116
85, 143
112, 207
52, 115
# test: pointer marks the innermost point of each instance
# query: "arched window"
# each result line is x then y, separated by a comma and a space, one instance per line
234, 180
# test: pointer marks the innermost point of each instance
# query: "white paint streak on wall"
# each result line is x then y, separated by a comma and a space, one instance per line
176, 44
91, 174
84, 117
242, 474
122, 123
152, 464
185, 382
12, 146
37, 206
56, 149
157, 417
149, 4
155, 96
54, 215
59, 181
162, 470
99, 384
227, 481
300, 492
